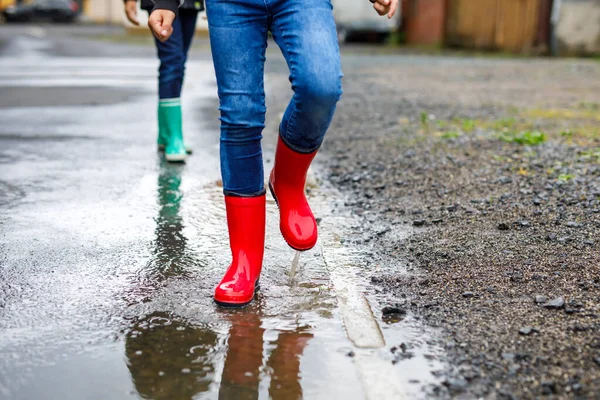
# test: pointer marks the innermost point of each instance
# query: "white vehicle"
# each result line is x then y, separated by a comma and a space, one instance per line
357, 17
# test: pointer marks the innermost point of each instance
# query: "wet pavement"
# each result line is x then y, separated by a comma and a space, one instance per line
109, 255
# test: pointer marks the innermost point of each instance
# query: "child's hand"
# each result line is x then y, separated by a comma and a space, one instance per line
384, 7
131, 12
161, 24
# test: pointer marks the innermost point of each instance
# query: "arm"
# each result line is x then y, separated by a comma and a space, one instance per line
162, 17
131, 11
384, 7
171, 5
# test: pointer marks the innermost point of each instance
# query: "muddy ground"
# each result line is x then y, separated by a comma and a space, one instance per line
496, 165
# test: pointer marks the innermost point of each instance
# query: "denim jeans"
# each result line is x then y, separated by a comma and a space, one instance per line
173, 55
305, 32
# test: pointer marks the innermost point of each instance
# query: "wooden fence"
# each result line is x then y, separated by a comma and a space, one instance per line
510, 25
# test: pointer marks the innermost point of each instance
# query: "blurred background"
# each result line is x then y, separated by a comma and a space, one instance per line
541, 27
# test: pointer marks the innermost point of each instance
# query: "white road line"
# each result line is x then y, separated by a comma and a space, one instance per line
378, 375
361, 326
93, 72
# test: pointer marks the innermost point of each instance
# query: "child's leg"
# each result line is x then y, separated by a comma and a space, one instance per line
172, 60
238, 35
305, 32
187, 20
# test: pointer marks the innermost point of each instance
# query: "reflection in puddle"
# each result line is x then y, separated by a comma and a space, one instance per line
169, 358
243, 366
170, 241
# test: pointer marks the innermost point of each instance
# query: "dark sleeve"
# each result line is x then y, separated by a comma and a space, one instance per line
171, 5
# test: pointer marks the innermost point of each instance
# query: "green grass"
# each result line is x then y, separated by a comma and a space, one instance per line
423, 118
591, 155
565, 177
450, 135
504, 123
531, 138
468, 125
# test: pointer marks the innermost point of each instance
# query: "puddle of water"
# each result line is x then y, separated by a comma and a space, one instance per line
289, 343
292, 342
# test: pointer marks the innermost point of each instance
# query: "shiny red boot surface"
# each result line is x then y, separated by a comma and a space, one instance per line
287, 181
246, 222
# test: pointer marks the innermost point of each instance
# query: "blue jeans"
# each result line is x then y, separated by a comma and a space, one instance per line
305, 32
173, 55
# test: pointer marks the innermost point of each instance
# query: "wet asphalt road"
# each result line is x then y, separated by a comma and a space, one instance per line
109, 255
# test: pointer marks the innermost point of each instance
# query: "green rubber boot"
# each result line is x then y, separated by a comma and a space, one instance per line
170, 133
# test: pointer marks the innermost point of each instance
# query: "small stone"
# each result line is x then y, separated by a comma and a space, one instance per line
505, 180
503, 227
392, 315
577, 387
588, 242
468, 295
350, 354
537, 201
514, 369
523, 223
573, 224
528, 330
392, 310
556, 304
551, 237
383, 231
548, 387
597, 360
505, 394
186, 371
471, 210
575, 303
419, 222
580, 327
456, 385
161, 373
436, 221
564, 239
490, 289
508, 356
539, 299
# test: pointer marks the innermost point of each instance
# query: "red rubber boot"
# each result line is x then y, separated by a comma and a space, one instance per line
246, 222
287, 181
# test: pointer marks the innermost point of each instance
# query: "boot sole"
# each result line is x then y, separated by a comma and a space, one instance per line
277, 203
239, 305
178, 158
189, 150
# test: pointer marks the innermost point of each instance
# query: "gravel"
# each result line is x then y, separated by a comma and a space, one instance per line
512, 220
